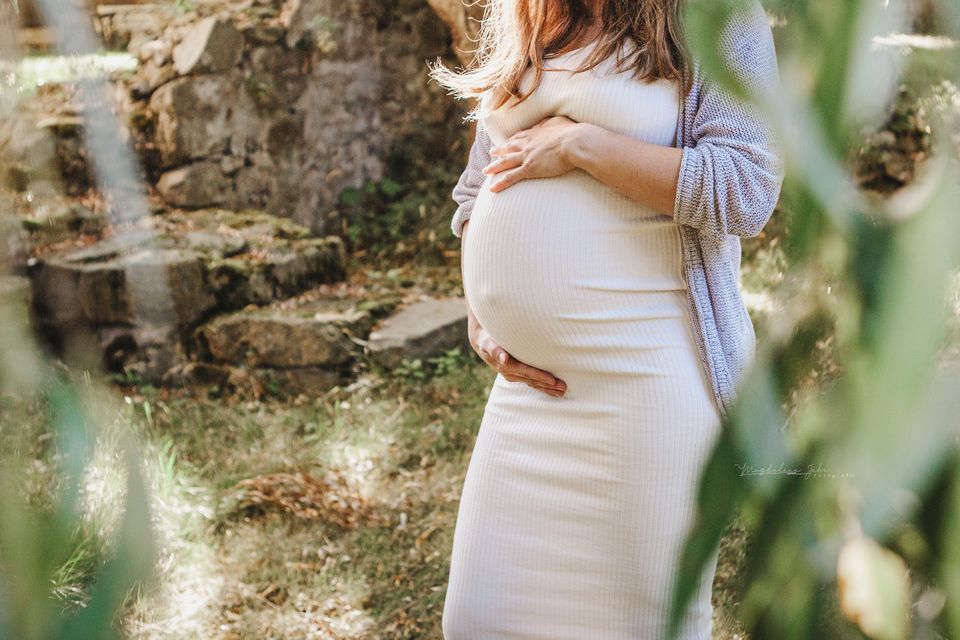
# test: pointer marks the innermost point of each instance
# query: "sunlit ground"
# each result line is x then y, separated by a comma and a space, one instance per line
228, 572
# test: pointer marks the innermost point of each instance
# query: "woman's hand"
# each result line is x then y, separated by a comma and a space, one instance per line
508, 366
538, 152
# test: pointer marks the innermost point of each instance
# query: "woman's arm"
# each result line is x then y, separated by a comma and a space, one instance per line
644, 172
730, 178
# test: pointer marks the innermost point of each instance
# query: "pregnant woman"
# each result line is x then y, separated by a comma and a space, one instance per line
600, 215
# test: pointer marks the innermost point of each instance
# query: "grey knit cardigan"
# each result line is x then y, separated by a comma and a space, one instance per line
730, 178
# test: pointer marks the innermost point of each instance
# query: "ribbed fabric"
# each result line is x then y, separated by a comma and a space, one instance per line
574, 509
730, 179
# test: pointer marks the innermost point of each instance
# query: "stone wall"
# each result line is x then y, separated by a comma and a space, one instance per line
249, 117
278, 106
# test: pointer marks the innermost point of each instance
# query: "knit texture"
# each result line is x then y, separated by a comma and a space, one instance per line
730, 179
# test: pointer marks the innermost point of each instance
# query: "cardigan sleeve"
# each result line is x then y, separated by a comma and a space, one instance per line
730, 171
468, 186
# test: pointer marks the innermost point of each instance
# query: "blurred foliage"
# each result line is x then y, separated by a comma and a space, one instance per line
445, 364
76, 532
850, 493
405, 215
76, 537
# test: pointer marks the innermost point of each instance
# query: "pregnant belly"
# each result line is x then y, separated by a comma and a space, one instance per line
552, 262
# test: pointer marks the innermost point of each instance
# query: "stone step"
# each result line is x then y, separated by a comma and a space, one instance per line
166, 280
424, 329
312, 343
305, 345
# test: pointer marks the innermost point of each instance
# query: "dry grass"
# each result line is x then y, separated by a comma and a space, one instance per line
327, 518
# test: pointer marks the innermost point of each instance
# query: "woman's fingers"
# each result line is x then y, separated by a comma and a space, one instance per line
514, 370
488, 348
504, 162
514, 367
507, 178
510, 367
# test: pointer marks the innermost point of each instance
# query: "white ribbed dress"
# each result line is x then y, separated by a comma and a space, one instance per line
574, 509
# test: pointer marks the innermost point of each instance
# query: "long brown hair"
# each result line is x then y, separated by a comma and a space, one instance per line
516, 33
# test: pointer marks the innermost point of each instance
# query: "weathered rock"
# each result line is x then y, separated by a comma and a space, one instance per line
61, 124
237, 281
422, 330
212, 45
158, 286
133, 300
145, 351
201, 184
57, 219
277, 76
308, 381
295, 100
226, 258
150, 76
26, 152
295, 272
158, 51
168, 286
214, 245
131, 26
205, 116
298, 19
257, 383
278, 339
263, 34
185, 374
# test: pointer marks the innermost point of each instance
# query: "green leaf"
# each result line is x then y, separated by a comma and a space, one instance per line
756, 424
950, 562
351, 196
390, 188
131, 566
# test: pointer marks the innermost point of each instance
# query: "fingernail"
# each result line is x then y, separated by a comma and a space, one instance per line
502, 357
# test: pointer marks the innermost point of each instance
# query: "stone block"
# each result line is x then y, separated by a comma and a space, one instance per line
158, 286
422, 330
211, 46
277, 339
201, 184
204, 116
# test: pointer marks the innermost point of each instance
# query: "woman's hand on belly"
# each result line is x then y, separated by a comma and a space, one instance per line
538, 152
508, 366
